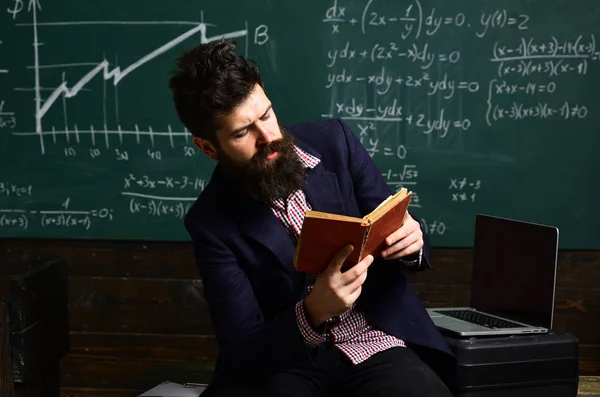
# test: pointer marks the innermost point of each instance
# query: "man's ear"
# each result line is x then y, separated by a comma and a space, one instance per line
207, 147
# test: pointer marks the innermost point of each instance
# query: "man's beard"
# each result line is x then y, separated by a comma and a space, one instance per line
269, 180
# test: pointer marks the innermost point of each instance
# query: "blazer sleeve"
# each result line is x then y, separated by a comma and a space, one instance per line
370, 187
245, 338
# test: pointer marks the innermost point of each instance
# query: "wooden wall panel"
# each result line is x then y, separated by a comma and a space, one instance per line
137, 315
136, 305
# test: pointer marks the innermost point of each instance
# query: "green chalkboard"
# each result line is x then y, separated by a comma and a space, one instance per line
486, 106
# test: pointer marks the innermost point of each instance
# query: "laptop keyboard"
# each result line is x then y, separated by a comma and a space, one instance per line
480, 318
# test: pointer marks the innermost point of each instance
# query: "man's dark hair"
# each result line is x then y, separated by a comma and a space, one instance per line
210, 82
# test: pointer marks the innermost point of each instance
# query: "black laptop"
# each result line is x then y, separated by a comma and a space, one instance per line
513, 283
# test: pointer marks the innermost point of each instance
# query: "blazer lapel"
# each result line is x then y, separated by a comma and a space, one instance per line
321, 187
322, 191
260, 223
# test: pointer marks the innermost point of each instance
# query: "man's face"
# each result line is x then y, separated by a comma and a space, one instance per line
250, 127
256, 152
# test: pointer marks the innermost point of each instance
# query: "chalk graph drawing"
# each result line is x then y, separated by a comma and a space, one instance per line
103, 69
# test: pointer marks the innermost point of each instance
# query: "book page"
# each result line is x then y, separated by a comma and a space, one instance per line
169, 389
383, 202
327, 215
385, 206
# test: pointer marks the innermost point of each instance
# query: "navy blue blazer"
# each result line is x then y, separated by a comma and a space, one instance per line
245, 260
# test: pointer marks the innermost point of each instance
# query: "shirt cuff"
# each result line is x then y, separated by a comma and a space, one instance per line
414, 262
311, 337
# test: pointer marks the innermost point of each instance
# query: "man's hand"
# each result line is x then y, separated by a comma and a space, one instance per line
404, 241
334, 292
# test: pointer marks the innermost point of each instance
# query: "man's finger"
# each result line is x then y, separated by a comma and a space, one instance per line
357, 270
400, 245
340, 257
398, 235
354, 295
357, 283
411, 249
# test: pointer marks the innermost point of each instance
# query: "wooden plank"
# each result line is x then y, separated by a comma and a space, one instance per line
589, 360
202, 349
577, 311
575, 269
198, 349
129, 375
116, 305
106, 258
138, 306
90, 373
88, 392
96, 258
93, 359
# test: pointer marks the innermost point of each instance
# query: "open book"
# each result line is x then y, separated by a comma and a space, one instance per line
324, 234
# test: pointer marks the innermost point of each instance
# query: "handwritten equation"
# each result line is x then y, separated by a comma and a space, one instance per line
378, 53
10, 189
155, 197
21, 219
464, 189
417, 21
435, 227
168, 182
393, 40
159, 208
384, 80
520, 111
394, 112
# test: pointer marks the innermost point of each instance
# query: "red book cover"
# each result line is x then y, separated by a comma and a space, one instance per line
322, 238
324, 234
380, 228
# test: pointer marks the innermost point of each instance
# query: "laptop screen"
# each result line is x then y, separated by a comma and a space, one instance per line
514, 269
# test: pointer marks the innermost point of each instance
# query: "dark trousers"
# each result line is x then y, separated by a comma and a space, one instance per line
394, 372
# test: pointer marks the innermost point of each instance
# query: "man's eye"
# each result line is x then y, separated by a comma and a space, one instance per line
241, 134
266, 116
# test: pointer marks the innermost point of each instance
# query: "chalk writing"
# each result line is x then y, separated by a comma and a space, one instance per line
423, 55
463, 189
406, 177
159, 208
10, 189
552, 48
10, 218
417, 21
545, 68
14, 220
383, 81
520, 111
75, 219
439, 93
434, 227
7, 119
393, 112
145, 182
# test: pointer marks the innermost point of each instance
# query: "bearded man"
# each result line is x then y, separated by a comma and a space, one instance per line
362, 332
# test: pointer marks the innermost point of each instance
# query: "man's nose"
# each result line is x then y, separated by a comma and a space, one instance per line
263, 134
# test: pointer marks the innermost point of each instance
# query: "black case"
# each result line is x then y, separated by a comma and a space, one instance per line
517, 366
